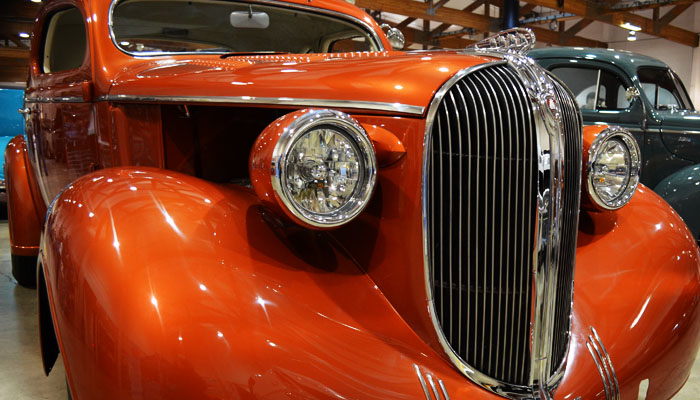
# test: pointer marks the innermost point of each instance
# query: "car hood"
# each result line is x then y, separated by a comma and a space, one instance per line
406, 81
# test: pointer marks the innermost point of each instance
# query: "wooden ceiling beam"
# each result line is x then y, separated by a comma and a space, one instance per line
527, 9
12, 26
470, 8
405, 23
582, 8
14, 74
636, 6
14, 39
474, 5
567, 35
417, 36
424, 38
418, 10
547, 21
553, 37
434, 7
670, 16
12, 52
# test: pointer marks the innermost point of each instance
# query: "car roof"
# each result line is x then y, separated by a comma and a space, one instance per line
626, 60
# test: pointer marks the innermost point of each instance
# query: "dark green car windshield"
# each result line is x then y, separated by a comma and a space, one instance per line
664, 89
146, 27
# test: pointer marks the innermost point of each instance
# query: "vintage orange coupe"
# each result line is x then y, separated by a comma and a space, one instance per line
261, 200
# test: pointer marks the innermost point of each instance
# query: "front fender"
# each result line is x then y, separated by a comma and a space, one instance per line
682, 191
25, 207
167, 286
637, 283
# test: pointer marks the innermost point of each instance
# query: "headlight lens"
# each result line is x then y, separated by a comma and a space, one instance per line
613, 168
323, 171
323, 167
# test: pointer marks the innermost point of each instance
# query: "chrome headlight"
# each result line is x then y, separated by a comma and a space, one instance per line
322, 166
613, 168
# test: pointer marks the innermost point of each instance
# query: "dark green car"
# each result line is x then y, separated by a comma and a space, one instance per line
645, 96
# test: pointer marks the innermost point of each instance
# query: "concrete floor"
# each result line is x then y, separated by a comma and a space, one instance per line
21, 373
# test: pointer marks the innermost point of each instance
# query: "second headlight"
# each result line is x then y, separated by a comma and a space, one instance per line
322, 167
613, 168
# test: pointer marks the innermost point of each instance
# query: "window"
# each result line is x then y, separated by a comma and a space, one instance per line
65, 41
211, 26
587, 83
664, 89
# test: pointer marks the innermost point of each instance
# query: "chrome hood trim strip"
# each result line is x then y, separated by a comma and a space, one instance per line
38, 99
602, 361
438, 390
282, 101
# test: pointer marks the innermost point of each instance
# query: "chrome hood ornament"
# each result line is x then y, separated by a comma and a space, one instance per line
511, 41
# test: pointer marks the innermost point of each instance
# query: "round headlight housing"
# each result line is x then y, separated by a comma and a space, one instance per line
322, 168
613, 168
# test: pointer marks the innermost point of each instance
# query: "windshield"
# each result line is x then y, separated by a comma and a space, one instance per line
664, 89
146, 27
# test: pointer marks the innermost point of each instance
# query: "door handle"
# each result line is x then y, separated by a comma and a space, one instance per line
25, 111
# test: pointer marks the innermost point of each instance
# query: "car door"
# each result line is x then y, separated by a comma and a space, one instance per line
601, 91
61, 132
680, 123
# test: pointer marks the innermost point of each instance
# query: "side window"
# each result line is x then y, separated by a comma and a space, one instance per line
612, 92
582, 83
65, 41
585, 83
664, 89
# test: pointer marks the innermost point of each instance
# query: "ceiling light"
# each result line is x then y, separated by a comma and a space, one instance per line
24, 35
35, 1
632, 36
631, 27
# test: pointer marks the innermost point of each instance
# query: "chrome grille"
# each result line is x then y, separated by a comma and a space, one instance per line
485, 164
481, 209
571, 191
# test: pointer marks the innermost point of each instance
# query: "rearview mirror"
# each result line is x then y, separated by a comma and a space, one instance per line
250, 19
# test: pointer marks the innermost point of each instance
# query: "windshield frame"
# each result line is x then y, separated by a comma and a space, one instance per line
374, 36
684, 92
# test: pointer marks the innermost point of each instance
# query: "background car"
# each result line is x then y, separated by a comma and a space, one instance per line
11, 125
228, 204
645, 96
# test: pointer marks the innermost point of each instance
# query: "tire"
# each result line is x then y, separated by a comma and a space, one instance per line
69, 396
24, 270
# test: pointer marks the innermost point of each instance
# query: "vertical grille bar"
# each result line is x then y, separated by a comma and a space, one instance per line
571, 199
508, 104
486, 239
527, 240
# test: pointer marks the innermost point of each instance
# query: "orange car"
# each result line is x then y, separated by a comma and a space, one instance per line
263, 200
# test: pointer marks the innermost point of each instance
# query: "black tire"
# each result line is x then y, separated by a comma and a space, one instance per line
24, 270
70, 397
